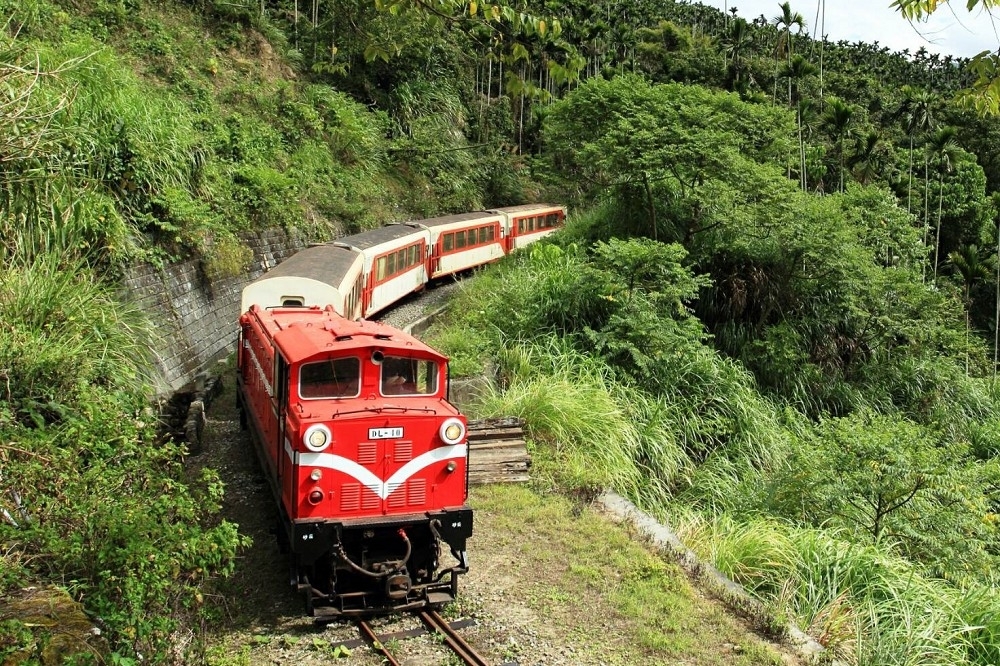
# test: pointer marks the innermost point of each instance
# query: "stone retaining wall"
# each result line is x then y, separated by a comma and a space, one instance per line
196, 317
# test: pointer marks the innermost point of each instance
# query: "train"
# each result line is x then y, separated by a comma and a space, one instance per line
364, 453
361, 275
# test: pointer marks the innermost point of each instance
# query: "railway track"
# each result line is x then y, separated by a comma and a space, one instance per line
435, 624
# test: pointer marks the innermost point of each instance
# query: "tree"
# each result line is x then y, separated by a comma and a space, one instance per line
666, 147
838, 123
796, 71
736, 43
897, 483
944, 149
916, 114
869, 158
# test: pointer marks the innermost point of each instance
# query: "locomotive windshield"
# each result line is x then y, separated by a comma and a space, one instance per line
408, 376
335, 378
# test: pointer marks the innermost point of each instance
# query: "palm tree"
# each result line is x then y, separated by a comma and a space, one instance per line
838, 120
996, 324
973, 269
943, 147
916, 112
796, 71
784, 23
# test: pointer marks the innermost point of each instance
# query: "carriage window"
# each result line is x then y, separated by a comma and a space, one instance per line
490, 231
401, 260
520, 226
408, 376
459, 239
449, 242
380, 268
412, 258
334, 378
390, 264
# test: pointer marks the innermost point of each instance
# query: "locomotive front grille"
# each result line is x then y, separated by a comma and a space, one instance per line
397, 497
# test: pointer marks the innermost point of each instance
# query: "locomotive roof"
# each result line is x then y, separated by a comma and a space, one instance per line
458, 217
303, 333
373, 237
327, 263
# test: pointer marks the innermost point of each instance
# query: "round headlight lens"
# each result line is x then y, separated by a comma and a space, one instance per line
452, 431
316, 437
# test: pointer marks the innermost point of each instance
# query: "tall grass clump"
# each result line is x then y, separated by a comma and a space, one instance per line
583, 437
63, 333
866, 605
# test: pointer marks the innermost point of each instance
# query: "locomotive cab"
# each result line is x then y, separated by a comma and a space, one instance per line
366, 456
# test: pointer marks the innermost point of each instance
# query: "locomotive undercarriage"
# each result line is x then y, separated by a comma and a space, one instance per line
380, 566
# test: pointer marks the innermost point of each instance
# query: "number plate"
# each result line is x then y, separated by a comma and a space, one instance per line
385, 433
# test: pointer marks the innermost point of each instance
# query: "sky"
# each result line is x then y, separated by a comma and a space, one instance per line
953, 31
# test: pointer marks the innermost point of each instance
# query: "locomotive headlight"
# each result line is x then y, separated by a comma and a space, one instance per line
452, 431
317, 437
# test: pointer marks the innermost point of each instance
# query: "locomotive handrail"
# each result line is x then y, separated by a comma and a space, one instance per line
384, 408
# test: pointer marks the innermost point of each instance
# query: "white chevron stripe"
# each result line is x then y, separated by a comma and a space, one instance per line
365, 476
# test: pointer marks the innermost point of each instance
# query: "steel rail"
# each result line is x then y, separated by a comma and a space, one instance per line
375, 643
457, 644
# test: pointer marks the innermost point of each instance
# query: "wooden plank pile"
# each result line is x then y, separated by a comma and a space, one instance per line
497, 452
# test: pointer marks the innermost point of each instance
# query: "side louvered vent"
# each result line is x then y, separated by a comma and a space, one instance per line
397, 496
350, 497
367, 452
417, 492
370, 501
404, 452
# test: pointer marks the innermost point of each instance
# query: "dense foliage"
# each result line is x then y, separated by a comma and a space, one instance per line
802, 392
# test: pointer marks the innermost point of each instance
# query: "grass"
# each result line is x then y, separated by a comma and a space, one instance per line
594, 579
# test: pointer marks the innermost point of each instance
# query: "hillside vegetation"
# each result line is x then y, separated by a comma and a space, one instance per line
773, 320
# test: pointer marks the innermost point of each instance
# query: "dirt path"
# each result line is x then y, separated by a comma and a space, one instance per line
551, 583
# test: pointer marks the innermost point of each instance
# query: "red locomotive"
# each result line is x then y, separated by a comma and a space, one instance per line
366, 456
